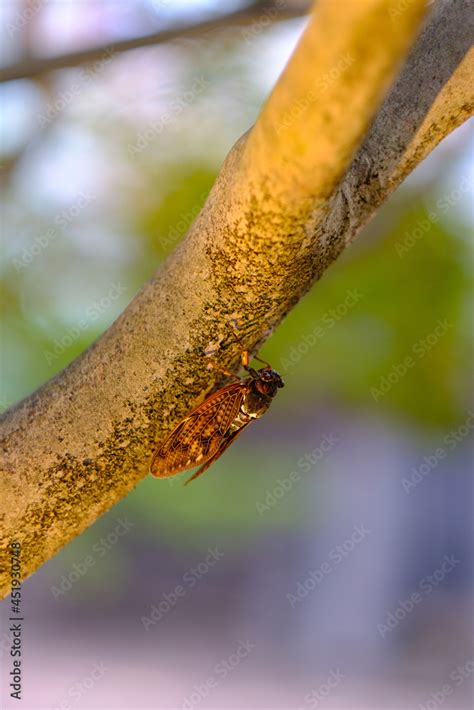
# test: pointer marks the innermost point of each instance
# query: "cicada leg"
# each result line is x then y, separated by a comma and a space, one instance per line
212, 364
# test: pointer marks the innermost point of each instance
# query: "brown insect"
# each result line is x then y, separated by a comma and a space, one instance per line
203, 436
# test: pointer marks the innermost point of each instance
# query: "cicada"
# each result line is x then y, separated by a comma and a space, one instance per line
203, 436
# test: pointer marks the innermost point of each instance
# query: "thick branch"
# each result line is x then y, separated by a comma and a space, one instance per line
274, 221
264, 13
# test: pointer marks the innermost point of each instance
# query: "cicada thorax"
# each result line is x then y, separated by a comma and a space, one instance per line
253, 406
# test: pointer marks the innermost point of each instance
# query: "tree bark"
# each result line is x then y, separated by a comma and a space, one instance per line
325, 152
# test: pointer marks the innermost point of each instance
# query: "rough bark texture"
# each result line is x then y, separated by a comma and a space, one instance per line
279, 214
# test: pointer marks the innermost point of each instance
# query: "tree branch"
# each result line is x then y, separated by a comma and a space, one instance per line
264, 12
432, 96
277, 217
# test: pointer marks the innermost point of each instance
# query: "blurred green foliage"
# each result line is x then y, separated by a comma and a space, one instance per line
401, 298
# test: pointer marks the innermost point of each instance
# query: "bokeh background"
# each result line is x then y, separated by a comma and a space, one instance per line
326, 560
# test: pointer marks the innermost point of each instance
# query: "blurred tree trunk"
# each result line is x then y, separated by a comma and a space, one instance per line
339, 132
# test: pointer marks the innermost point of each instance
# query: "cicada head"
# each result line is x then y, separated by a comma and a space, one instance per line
267, 381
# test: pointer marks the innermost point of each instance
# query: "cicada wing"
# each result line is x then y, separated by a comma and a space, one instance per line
198, 437
218, 453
